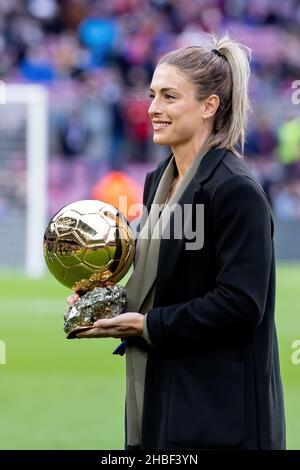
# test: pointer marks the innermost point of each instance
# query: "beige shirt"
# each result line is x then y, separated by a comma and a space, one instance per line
141, 289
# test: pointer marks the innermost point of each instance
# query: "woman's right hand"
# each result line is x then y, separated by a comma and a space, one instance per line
72, 299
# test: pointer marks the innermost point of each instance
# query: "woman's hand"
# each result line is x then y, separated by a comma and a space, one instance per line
126, 324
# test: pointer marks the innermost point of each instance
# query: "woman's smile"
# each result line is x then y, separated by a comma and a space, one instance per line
160, 125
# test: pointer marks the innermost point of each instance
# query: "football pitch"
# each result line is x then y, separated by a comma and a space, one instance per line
69, 394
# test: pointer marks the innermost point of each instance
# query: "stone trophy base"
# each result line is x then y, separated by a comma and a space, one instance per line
101, 302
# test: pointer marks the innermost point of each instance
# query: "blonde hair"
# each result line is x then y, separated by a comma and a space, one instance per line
221, 67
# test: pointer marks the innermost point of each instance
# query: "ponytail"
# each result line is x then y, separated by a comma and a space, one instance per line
236, 56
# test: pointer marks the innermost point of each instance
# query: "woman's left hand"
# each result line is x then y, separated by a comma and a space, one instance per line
126, 324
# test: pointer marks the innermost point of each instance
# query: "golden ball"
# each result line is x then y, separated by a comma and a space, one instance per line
88, 240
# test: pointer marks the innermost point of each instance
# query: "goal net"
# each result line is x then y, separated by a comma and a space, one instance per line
23, 176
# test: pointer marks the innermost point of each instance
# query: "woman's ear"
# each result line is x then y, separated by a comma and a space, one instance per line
211, 105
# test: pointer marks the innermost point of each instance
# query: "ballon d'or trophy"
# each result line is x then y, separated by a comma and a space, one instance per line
89, 247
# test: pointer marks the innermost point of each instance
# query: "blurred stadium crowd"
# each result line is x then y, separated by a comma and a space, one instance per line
96, 59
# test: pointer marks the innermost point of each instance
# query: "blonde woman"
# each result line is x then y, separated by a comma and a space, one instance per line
202, 363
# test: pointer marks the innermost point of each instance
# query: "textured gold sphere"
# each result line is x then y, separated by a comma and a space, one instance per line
88, 242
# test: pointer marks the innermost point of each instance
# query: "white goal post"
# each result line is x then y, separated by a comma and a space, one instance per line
35, 100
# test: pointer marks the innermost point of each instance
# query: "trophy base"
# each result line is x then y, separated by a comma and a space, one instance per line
101, 302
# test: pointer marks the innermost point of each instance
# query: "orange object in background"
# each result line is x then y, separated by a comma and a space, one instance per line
115, 184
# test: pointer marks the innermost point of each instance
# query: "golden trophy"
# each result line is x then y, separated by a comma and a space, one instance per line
89, 247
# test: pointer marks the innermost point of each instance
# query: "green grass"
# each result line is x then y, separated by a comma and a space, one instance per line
69, 394
55, 393
288, 330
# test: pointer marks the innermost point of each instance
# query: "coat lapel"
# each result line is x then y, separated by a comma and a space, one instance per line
154, 253
163, 226
169, 252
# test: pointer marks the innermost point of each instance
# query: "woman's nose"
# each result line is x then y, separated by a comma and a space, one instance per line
155, 107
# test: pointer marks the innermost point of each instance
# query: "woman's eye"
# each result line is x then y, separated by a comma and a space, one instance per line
167, 96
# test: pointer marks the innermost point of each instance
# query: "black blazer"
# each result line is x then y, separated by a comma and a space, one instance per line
213, 376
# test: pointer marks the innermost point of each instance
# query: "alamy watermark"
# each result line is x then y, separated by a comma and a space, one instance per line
2, 352
296, 93
295, 358
171, 221
2, 92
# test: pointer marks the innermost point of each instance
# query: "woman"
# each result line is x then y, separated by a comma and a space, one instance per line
201, 349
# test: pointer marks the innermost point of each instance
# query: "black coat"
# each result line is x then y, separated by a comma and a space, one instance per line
213, 375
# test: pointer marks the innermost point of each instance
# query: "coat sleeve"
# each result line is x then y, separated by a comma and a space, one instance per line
242, 228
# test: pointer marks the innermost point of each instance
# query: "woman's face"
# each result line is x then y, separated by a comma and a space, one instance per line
176, 115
